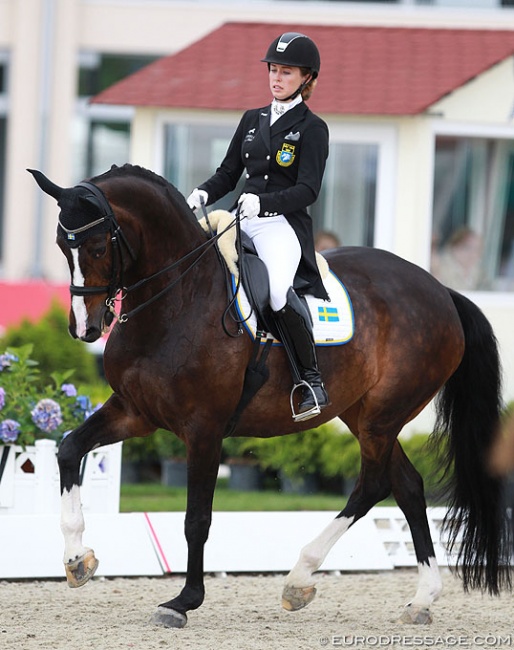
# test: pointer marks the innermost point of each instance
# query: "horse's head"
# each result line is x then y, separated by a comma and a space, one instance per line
90, 238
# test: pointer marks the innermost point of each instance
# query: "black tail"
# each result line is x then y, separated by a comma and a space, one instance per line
468, 413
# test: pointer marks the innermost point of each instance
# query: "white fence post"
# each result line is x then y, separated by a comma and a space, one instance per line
46, 477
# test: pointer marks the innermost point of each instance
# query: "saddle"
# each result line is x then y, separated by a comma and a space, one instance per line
242, 261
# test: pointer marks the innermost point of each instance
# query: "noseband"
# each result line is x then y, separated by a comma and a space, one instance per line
119, 241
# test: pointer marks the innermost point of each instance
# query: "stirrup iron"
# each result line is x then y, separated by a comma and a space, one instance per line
306, 415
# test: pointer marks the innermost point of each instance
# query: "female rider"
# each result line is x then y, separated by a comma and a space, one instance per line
282, 148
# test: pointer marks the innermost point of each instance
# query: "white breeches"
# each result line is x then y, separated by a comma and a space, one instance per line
278, 247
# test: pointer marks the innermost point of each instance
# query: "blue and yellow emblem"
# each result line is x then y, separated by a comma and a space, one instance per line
286, 155
328, 314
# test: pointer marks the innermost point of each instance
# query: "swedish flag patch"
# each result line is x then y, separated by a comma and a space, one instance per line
328, 314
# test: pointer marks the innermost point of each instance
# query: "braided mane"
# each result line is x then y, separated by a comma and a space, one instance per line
145, 174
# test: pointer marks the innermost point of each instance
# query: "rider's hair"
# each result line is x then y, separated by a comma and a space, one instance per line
308, 89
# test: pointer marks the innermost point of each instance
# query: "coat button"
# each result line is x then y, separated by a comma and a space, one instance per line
266, 177
268, 157
247, 155
247, 175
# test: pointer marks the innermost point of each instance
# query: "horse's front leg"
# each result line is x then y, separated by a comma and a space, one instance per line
203, 459
110, 424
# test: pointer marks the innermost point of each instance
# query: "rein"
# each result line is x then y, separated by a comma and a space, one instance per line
116, 284
204, 248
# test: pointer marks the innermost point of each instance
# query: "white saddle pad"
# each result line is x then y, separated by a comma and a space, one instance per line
333, 322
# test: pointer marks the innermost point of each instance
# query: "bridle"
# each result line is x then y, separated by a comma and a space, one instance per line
119, 243
117, 236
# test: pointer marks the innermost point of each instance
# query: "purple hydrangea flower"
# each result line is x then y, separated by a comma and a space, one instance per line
2, 398
6, 360
84, 406
9, 430
47, 415
69, 390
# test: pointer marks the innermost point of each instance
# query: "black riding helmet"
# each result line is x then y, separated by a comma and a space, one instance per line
296, 50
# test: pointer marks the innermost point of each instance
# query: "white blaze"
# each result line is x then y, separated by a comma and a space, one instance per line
77, 302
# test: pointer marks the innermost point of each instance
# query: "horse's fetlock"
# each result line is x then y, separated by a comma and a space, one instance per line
310, 559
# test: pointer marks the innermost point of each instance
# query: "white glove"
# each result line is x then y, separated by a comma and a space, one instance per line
194, 200
249, 205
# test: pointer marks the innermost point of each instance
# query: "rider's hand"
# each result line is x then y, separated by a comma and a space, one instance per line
249, 205
194, 200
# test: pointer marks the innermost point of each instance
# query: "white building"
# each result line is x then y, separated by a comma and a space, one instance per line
407, 176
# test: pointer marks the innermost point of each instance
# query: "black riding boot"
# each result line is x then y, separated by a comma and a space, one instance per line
295, 328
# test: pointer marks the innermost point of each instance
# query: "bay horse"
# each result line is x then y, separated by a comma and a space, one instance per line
171, 364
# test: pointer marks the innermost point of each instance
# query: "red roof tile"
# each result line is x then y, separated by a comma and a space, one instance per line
364, 70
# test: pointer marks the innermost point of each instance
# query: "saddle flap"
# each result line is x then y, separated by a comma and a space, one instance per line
255, 279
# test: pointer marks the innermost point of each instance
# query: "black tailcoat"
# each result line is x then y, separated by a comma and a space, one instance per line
284, 166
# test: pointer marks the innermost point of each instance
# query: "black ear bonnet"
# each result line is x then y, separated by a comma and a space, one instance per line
87, 214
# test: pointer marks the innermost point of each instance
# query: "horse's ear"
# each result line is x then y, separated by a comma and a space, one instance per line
46, 185
89, 199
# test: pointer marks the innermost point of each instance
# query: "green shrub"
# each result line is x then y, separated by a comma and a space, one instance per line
427, 459
340, 455
140, 450
168, 445
330, 453
54, 349
324, 450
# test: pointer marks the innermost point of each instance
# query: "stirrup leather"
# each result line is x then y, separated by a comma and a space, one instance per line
305, 415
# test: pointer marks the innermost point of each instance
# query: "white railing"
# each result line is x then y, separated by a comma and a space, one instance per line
30, 479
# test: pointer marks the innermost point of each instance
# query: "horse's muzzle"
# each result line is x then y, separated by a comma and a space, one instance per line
92, 335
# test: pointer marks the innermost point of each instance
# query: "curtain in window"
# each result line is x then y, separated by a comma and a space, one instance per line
473, 213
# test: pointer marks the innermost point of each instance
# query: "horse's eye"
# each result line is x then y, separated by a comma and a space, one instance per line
98, 251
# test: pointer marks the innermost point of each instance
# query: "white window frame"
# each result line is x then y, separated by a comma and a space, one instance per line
485, 299
385, 136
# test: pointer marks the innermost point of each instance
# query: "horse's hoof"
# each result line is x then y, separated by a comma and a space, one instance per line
416, 615
166, 617
80, 571
294, 598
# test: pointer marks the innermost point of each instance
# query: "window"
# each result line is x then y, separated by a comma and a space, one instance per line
346, 204
473, 213
102, 133
193, 152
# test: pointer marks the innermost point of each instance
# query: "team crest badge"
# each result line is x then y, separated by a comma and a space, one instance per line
286, 155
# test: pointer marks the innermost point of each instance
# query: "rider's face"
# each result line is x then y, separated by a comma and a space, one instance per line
284, 80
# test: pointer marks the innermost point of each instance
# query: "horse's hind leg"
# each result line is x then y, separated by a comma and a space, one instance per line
373, 486
407, 488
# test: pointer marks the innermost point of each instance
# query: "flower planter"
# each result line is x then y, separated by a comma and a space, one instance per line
305, 484
29, 481
244, 476
174, 472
